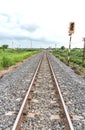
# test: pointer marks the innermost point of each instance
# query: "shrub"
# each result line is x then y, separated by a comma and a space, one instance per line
5, 62
62, 59
83, 65
62, 48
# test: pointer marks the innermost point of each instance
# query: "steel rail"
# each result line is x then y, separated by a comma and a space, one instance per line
17, 122
70, 125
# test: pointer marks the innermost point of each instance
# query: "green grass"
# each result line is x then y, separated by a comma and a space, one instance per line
10, 57
76, 56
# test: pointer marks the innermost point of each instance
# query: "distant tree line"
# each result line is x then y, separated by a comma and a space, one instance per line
5, 46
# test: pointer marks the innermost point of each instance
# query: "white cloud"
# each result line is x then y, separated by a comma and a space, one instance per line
42, 19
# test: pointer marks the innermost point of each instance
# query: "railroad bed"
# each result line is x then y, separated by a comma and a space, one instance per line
43, 106
13, 88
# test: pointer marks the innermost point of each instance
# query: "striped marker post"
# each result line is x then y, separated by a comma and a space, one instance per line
69, 49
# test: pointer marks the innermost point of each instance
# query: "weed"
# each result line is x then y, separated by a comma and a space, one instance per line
5, 62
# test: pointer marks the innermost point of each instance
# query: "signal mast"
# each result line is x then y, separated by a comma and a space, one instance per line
71, 31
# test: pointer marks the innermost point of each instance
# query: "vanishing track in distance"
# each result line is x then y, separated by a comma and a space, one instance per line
43, 107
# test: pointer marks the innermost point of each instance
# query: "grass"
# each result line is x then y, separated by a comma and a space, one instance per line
10, 57
76, 59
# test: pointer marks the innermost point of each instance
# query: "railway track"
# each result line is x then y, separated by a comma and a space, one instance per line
43, 107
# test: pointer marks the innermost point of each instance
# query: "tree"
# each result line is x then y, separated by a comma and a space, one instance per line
4, 47
62, 47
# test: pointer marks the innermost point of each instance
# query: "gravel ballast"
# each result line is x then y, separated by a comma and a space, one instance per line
13, 87
73, 90
44, 110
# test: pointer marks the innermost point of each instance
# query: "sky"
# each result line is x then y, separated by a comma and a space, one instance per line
41, 23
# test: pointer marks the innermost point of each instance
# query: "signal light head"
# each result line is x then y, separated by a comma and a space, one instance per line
71, 28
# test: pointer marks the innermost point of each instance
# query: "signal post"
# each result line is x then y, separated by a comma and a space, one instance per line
83, 51
71, 31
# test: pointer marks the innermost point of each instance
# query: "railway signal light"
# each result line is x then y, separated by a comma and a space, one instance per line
71, 28
71, 31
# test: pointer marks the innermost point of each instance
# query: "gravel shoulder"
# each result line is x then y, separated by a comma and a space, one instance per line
14, 84
73, 90
13, 87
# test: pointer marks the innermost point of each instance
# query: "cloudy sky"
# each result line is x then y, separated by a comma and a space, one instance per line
41, 23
